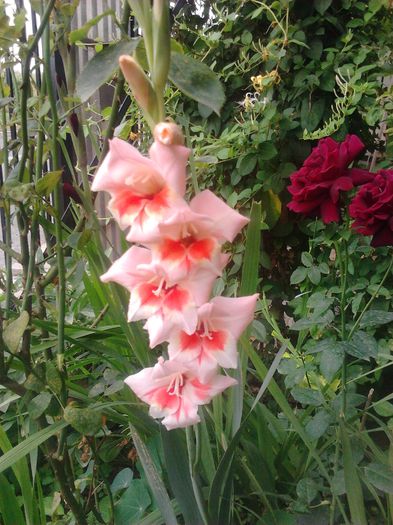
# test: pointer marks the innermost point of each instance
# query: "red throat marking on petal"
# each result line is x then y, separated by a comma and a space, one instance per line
189, 342
176, 298
165, 399
129, 202
212, 341
215, 341
202, 249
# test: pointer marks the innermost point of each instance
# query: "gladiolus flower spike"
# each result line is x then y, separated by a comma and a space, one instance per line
171, 275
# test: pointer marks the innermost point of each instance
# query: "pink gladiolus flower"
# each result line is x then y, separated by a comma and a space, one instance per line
171, 278
192, 237
175, 306
174, 391
156, 297
220, 324
143, 190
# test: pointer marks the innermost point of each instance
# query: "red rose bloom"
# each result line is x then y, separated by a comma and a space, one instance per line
372, 209
316, 187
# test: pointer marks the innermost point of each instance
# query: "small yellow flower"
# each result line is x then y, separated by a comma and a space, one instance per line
261, 82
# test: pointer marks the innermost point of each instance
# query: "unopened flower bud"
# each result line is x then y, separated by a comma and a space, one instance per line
168, 133
139, 83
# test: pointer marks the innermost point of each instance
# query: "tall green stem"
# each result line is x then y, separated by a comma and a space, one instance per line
192, 462
58, 206
7, 210
342, 255
31, 262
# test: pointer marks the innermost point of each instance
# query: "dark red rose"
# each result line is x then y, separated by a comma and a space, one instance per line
372, 209
316, 187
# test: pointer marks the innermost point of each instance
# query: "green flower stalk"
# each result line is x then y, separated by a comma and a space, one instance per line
161, 45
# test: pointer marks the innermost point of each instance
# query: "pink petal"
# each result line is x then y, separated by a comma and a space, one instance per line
200, 284
228, 357
184, 219
187, 415
148, 229
227, 221
158, 329
122, 162
183, 347
171, 161
232, 314
202, 393
143, 302
125, 271
219, 383
142, 383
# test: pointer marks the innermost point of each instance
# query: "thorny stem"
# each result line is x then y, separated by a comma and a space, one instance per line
25, 86
61, 297
57, 203
23, 227
9, 251
69, 498
7, 247
31, 262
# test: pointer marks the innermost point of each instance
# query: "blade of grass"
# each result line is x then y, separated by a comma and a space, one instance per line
155, 482
40, 500
352, 482
9, 505
249, 283
29, 444
179, 475
219, 500
21, 471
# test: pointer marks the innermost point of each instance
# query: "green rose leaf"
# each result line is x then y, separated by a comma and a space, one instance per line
322, 5
318, 424
52, 376
307, 396
362, 346
375, 318
331, 360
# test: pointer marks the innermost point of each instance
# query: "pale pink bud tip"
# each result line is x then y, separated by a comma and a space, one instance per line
168, 133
